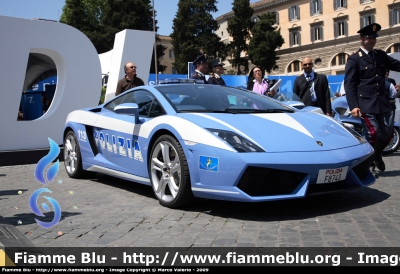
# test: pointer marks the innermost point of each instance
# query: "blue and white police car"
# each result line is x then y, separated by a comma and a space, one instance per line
192, 140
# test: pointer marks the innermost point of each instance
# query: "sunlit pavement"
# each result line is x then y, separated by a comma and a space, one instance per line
103, 211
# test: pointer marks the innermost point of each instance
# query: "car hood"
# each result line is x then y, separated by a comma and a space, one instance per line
280, 132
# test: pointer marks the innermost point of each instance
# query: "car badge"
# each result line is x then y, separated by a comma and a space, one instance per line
319, 143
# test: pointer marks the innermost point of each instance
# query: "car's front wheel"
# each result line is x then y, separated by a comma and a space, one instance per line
72, 156
169, 173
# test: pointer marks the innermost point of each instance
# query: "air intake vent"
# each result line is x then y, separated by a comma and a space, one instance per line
257, 181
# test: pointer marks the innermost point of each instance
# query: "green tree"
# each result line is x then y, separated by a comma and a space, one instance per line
126, 14
160, 52
194, 32
100, 20
239, 27
266, 38
130, 14
85, 15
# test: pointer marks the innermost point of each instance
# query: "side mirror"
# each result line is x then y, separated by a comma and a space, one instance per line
128, 109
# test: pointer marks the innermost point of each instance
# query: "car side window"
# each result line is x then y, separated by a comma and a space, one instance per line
111, 105
148, 105
144, 100
156, 109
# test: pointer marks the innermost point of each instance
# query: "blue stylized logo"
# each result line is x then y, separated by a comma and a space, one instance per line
209, 163
46, 178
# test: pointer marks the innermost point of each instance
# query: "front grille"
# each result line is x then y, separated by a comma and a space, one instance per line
258, 181
362, 169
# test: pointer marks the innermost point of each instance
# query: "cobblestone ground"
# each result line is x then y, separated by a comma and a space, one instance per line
103, 211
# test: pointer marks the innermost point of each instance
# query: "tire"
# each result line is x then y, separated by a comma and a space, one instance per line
72, 156
169, 173
393, 144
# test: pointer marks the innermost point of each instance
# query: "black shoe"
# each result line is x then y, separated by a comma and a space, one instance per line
378, 148
380, 164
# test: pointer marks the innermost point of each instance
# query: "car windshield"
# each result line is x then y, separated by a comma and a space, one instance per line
215, 98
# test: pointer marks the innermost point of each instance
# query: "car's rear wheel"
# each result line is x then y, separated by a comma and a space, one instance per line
393, 144
72, 156
169, 173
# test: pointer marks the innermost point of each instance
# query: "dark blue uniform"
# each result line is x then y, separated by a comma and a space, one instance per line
198, 76
364, 81
216, 80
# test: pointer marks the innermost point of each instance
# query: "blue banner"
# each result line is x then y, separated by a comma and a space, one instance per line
41, 86
32, 105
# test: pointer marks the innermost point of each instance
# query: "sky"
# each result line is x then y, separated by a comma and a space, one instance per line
52, 10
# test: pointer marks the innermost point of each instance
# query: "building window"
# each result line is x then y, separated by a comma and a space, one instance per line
277, 17
171, 54
294, 13
317, 33
339, 4
366, 1
339, 59
394, 14
394, 48
294, 37
340, 27
294, 66
342, 58
366, 19
316, 7
317, 62
174, 70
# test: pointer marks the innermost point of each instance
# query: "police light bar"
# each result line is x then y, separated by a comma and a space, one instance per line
181, 81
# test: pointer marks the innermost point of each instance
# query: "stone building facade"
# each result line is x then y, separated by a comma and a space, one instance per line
325, 30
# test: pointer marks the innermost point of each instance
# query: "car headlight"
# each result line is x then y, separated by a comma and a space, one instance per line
239, 143
355, 134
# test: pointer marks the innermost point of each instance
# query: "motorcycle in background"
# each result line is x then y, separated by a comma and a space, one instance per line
342, 114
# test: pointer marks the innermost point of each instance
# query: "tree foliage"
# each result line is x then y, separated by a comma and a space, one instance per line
126, 14
100, 20
239, 27
82, 14
160, 49
85, 15
194, 32
266, 38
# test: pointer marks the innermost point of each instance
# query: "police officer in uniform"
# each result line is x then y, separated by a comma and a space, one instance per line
201, 68
364, 83
218, 70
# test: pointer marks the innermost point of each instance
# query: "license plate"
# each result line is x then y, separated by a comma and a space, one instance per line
326, 176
